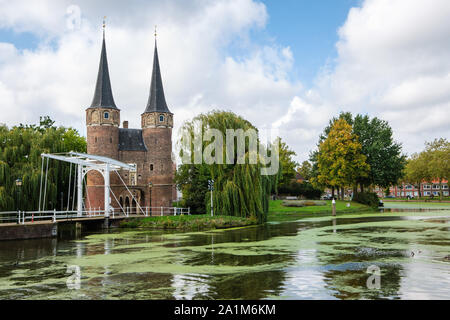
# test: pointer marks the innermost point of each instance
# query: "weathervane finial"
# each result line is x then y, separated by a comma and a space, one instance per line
104, 25
155, 32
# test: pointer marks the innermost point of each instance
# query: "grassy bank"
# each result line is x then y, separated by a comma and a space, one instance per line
186, 222
278, 212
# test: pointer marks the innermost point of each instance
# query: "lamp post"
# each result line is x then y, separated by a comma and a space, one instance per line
333, 209
211, 188
18, 187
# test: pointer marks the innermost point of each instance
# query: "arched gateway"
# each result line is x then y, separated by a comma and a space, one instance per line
105, 167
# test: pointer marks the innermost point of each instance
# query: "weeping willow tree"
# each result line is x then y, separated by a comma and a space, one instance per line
20, 158
240, 188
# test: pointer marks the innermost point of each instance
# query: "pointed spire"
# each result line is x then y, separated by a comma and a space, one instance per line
157, 100
103, 97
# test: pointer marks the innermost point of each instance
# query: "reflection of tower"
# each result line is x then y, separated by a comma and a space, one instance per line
102, 120
157, 124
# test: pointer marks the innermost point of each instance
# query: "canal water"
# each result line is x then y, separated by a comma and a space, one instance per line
316, 257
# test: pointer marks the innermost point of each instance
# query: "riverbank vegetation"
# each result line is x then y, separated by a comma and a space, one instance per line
20, 158
240, 190
431, 164
280, 212
189, 222
356, 152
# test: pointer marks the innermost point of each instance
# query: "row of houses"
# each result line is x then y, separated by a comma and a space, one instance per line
426, 189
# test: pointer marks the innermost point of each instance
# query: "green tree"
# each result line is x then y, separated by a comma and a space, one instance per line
192, 180
287, 164
305, 170
240, 189
340, 160
383, 154
416, 170
437, 157
20, 157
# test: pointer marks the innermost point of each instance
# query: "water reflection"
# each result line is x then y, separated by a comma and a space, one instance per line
314, 258
303, 282
189, 287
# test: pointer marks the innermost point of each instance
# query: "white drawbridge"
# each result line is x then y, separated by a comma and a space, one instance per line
85, 163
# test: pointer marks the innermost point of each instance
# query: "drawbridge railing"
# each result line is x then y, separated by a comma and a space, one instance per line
22, 217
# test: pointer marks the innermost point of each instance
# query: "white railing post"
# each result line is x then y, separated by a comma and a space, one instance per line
175, 211
189, 211
107, 195
80, 190
23, 217
146, 211
162, 211
54, 215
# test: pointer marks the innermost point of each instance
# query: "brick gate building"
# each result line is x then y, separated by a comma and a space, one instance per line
149, 147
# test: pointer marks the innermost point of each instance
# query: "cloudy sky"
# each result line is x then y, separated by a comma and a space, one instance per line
290, 64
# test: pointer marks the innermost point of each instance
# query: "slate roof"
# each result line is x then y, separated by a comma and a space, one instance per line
131, 140
156, 100
103, 97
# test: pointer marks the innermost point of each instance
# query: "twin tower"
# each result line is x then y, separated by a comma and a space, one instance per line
149, 148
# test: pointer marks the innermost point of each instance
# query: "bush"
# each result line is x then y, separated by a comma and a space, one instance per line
367, 198
302, 203
304, 189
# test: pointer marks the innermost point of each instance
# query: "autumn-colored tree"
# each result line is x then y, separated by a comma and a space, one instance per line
339, 159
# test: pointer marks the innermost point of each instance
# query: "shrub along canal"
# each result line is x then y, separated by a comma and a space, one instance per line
311, 257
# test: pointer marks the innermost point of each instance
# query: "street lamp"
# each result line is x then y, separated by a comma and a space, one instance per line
211, 188
18, 187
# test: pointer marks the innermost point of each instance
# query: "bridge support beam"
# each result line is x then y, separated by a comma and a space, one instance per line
80, 191
107, 196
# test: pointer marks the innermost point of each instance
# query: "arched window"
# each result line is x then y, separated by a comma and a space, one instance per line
161, 118
106, 115
151, 167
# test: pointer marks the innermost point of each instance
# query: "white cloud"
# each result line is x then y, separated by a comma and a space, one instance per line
393, 62
58, 77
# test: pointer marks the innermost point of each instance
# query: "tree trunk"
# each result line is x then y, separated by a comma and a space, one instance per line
332, 192
342, 193
362, 187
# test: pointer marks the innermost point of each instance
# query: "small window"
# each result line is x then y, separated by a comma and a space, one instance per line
110, 139
161, 118
95, 139
151, 167
106, 115
133, 181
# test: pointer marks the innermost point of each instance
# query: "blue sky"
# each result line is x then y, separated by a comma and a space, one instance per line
309, 28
